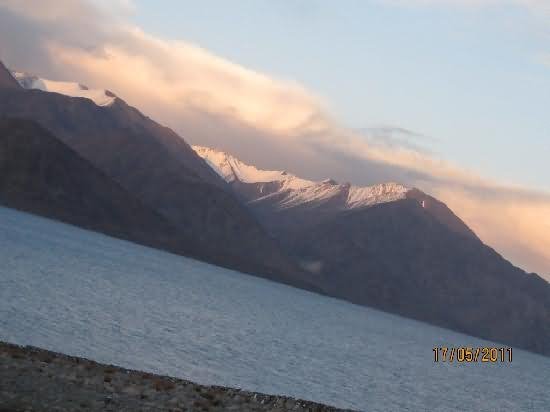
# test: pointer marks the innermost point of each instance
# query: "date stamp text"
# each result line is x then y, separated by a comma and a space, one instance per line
472, 355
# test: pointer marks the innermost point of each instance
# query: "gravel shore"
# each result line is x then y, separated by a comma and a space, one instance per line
33, 379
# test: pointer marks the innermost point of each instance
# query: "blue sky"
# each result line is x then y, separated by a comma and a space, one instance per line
470, 78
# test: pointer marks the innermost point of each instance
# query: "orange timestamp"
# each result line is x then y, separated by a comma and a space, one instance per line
464, 354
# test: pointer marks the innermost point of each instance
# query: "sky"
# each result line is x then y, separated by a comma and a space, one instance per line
448, 96
472, 78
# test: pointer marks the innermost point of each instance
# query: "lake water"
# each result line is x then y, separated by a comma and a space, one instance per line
85, 294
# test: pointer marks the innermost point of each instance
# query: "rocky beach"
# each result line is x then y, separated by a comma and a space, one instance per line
33, 379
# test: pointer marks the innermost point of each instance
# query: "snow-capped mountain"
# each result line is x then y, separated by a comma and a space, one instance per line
394, 248
73, 89
286, 203
153, 165
289, 191
386, 246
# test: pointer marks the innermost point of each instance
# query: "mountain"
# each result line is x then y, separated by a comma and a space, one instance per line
397, 249
98, 96
41, 175
286, 203
387, 246
7, 81
156, 166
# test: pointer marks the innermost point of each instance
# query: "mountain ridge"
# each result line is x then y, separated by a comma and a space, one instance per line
232, 169
73, 89
387, 246
407, 254
158, 167
270, 191
7, 81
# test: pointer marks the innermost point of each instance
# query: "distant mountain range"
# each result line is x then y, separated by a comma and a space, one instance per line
397, 249
387, 246
286, 203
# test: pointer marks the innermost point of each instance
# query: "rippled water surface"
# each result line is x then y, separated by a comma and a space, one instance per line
86, 294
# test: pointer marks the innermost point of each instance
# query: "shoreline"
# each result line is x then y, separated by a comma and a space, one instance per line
35, 379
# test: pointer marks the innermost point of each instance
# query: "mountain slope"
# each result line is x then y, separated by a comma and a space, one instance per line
397, 249
6, 79
287, 204
155, 165
41, 175
287, 190
399, 258
99, 97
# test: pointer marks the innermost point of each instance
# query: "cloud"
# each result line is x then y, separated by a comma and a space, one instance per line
514, 223
271, 122
393, 137
189, 77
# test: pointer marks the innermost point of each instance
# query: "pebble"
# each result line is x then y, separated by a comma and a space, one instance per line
76, 384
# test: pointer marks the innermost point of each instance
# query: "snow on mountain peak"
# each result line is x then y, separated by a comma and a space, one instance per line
73, 89
293, 191
232, 169
370, 195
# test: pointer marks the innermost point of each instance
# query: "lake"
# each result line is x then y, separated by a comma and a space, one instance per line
86, 294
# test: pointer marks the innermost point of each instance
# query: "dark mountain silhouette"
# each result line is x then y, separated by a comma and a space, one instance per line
6, 79
41, 175
157, 167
